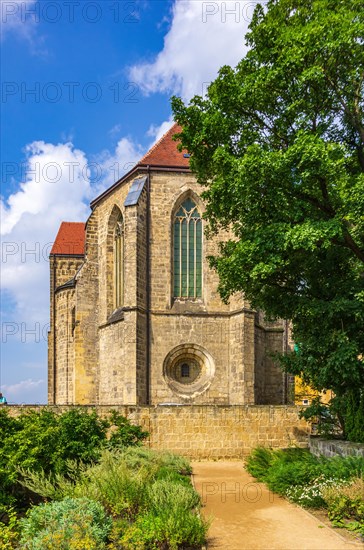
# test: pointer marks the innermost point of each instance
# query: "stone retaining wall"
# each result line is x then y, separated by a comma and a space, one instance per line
211, 431
335, 447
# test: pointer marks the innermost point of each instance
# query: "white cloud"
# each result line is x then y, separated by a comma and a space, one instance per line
157, 131
22, 18
23, 389
112, 166
203, 37
55, 187
58, 184
115, 130
56, 179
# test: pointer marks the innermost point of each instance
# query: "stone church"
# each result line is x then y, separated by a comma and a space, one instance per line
135, 313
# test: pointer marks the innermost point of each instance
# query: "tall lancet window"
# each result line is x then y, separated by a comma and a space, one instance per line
119, 262
187, 251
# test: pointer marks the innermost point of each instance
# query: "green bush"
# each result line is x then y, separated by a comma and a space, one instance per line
259, 462
353, 411
9, 531
147, 493
345, 505
151, 532
165, 496
170, 520
333, 483
70, 524
135, 457
312, 495
52, 444
119, 488
283, 470
123, 433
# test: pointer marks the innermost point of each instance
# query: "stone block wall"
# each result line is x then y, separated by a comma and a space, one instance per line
87, 310
335, 447
62, 269
212, 432
65, 356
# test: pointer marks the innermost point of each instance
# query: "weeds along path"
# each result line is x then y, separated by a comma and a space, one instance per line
247, 516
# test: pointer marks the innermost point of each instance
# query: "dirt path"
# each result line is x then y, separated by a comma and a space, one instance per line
247, 516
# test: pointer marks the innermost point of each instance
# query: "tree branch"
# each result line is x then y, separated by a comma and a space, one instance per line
315, 202
350, 243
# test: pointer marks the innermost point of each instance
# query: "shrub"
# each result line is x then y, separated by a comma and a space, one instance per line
53, 444
123, 433
170, 520
259, 462
70, 524
315, 482
166, 496
148, 494
135, 457
9, 532
151, 532
118, 487
346, 504
283, 469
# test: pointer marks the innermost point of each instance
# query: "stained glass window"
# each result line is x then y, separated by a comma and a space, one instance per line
187, 251
119, 262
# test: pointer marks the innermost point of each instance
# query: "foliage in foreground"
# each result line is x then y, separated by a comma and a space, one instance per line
345, 505
336, 484
145, 496
46, 442
71, 524
278, 143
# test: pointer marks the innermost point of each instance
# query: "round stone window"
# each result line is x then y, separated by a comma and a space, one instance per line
188, 370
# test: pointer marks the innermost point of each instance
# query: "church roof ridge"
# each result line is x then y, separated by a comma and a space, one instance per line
163, 155
165, 152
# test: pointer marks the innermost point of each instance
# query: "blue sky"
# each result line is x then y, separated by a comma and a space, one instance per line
85, 92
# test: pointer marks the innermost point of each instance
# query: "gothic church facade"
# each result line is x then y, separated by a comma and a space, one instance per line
135, 314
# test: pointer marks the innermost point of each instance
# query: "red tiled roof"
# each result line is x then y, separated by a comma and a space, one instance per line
165, 152
70, 239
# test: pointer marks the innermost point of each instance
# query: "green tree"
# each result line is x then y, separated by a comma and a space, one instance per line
278, 143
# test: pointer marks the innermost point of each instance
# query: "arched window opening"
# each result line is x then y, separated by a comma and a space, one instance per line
187, 251
119, 262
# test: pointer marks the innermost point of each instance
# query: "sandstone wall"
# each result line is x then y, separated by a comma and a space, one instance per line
64, 379
87, 309
212, 432
62, 269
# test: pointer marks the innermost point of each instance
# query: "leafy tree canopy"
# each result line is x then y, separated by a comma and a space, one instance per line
278, 143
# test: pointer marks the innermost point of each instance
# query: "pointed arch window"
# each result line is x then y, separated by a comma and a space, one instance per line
187, 251
119, 262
